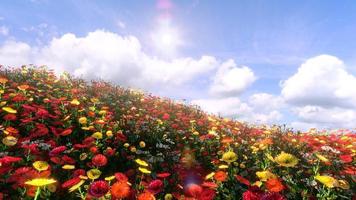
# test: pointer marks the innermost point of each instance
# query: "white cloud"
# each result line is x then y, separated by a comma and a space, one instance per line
4, 30
231, 80
255, 110
106, 55
121, 24
322, 94
323, 81
326, 117
15, 53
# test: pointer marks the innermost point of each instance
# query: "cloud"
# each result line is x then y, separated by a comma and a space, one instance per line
231, 80
322, 81
255, 110
317, 116
109, 56
322, 94
4, 30
14, 53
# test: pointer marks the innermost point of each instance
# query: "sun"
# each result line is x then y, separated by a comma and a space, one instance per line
166, 39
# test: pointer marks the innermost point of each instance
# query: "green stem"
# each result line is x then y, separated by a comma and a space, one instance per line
37, 193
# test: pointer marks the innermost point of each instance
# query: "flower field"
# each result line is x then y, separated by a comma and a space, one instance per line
64, 138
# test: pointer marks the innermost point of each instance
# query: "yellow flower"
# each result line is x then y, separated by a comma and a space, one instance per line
144, 170
229, 157
209, 176
76, 186
141, 162
40, 165
196, 133
168, 196
142, 144
286, 159
109, 133
328, 181
9, 140
68, 167
39, 182
75, 102
9, 110
265, 175
97, 135
82, 120
93, 174
223, 166
257, 183
133, 149
322, 158
126, 145
109, 178
343, 184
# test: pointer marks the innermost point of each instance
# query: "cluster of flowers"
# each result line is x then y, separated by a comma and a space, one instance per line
62, 137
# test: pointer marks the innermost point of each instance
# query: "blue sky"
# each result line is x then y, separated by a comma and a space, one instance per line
273, 39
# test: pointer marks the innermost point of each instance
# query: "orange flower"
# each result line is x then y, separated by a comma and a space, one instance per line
120, 190
146, 196
274, 185
220, 176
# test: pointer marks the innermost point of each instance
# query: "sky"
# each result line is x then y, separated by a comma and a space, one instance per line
263, 62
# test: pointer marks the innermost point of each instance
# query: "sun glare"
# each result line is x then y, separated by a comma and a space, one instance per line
166, 40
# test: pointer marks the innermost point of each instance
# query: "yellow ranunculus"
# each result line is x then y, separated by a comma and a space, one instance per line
76, 186
141, 162
322, 158
286, 160
97, 135
93, 174
223, 166
209, 176
229, 157
9, 110
39, 182
40, 165
109, 133
142, 144
265, 175
144, 170
343, 184
168, 196
9, 140
69, 167
109, 178
328, 181
75, 102
83, 120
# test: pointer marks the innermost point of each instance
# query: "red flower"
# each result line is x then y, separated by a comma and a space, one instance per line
146, 196
120, 190
163, 175
251, 195
346, 158
272, 196
209, 185
155, 186
274, 185
207, 194
66, 132
220, 176
242, 180
121, 177
8, 160
57, 150
71, 182
99, 188
165, 116
193, 190
99, 160
9, 117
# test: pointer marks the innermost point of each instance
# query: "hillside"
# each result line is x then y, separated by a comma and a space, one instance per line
63, 137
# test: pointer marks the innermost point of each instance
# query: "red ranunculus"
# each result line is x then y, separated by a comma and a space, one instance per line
98, 188
193, 190
346, 158
155, 186
99, 160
